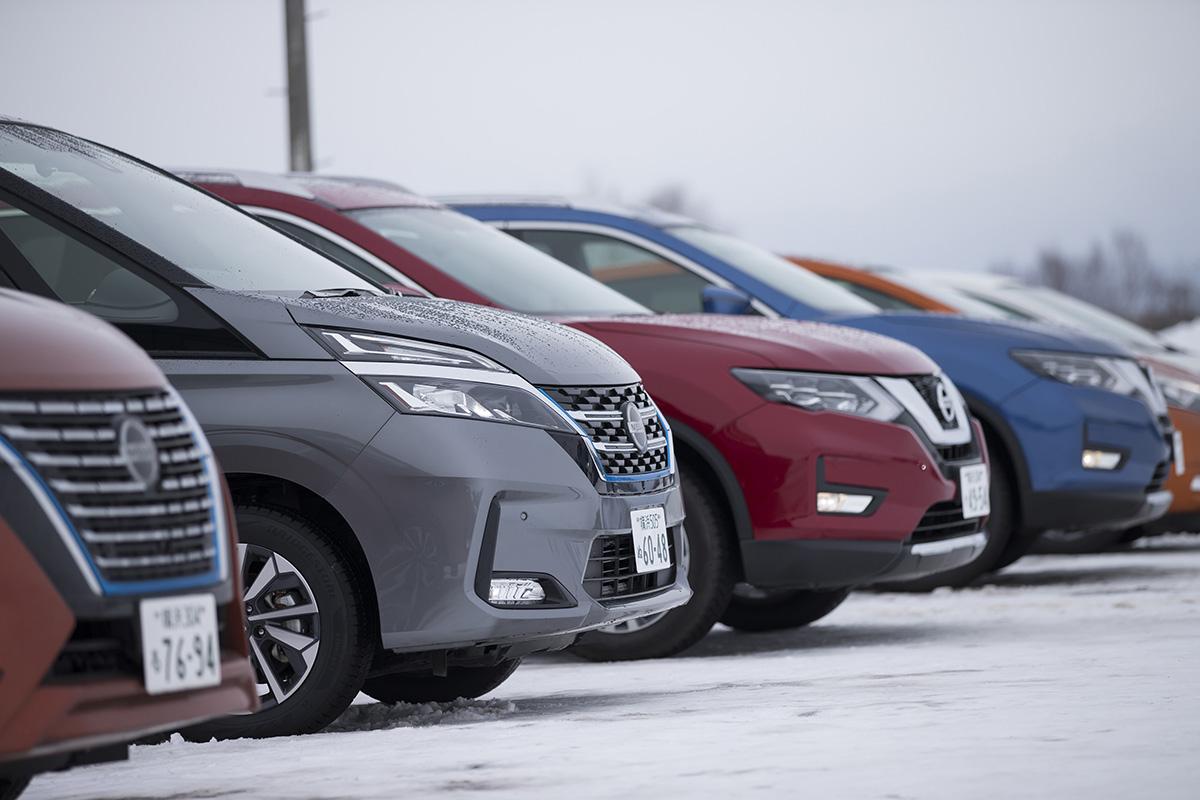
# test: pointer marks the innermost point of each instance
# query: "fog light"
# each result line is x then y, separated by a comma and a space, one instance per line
516, 592
838, 503
1100, 459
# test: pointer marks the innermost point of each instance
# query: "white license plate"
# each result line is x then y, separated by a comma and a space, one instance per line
180, 648
973, 488
1180, 462
651, 540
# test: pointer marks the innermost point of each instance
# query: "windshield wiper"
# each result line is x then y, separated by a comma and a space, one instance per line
318, 293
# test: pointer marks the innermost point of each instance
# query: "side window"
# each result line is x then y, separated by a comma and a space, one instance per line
45, 260
633, 271
881, 299
335, 251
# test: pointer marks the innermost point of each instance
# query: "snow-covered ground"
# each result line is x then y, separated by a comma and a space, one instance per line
1064, 677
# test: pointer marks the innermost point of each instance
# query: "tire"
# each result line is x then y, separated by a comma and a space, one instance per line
464, 682
284, 557
779, 611
1078, 542
1005, 541
11, 788
712, 572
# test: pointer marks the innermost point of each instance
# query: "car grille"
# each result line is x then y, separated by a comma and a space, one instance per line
599, 411
958, 452
926, 386
132, 533
1159, 478
945, 521
97, 649
612, 574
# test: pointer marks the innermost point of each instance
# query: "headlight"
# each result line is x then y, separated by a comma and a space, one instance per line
1119, 375
1077, 370
435, 379
353, 346
814, 391
1180, 392
457, 398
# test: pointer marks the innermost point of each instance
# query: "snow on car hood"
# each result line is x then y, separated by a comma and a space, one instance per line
787, 344
542, 352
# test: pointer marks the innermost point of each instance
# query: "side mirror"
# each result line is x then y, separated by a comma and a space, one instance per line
406, 291
719, 300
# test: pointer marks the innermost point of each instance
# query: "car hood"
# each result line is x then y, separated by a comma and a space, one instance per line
1009, 334
542, 352
50, 347
787, 344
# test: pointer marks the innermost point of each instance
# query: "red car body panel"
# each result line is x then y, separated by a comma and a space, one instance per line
777, 452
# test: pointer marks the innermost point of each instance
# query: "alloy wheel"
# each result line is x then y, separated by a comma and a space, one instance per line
282, 620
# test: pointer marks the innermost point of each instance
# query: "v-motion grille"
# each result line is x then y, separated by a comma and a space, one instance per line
132, 532
601, 412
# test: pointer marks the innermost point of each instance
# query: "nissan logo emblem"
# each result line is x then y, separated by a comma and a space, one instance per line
136, 446
944, 402
635, 426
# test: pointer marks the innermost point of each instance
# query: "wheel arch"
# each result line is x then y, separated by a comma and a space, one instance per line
251, 488
698, 453
1004, 451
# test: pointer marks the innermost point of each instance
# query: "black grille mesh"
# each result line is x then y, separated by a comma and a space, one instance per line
945, 521
926, 386
132, 533
612, 571
612, 399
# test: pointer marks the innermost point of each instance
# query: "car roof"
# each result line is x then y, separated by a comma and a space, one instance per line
647, 214
343, 192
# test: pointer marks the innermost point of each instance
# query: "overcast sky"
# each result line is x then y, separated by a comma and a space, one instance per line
949, 135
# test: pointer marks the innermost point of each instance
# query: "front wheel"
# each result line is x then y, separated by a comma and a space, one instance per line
710, 569
309, 642
468, 682
753, 610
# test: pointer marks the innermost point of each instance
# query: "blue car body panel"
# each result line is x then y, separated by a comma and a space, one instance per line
1044, 423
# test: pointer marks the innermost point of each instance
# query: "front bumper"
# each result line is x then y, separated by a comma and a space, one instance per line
1184, 484
783, 456
835, 564
1053, 423
455, 511
45, 720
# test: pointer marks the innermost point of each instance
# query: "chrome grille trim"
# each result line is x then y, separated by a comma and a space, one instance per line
163, 535
622, 447
129, 537
598, 413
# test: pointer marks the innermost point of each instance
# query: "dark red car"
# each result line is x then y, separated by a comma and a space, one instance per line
814, 458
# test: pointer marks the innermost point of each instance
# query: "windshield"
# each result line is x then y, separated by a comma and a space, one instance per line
216, 244
495, 264
963, 303
1050, 305
778, 273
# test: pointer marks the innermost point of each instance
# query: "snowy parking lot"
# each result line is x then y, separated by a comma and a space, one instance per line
1063, 677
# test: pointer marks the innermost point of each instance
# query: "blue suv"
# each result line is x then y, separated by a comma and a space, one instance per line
1076, 428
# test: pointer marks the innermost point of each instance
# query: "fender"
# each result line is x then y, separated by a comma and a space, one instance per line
998, 424
713, 459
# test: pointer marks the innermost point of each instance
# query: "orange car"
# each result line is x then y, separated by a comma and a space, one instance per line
119, 614
1180, 385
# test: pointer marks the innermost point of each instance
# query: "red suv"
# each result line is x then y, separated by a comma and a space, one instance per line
814, 458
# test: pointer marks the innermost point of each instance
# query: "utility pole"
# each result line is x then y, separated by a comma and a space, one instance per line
299, 125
